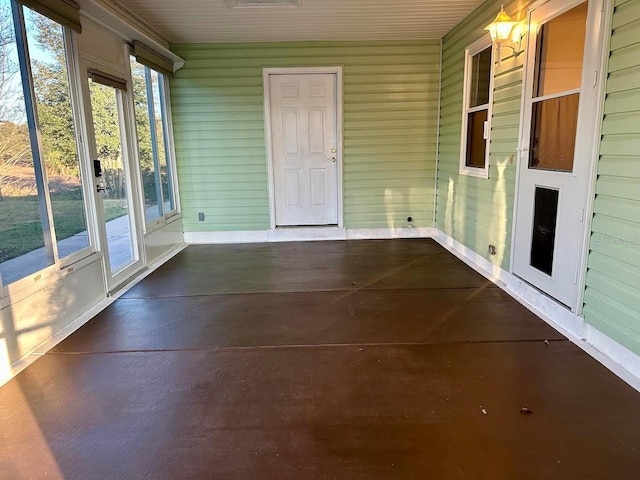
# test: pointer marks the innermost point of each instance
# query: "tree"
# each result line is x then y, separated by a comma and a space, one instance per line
14, 139
142, 116
108, 145
143, 128
51, 85
53, 102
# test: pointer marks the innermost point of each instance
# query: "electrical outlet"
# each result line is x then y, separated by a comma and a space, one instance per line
201, 216
492, 250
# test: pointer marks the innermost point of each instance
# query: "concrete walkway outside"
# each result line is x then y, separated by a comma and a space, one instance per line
118, 238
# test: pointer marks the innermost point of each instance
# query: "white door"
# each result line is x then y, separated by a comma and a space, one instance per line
556, 145
119, 236
304, 148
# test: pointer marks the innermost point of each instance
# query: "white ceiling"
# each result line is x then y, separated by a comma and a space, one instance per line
204, 21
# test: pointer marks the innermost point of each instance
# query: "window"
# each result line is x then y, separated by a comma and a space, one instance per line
556, 91
476, 112
149, 96
42, 207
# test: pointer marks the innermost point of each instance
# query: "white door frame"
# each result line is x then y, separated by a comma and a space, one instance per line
266, 73
113, 281
598, 30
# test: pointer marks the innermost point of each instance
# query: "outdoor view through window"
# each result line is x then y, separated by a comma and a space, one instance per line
151, 129
43, 217
42, 214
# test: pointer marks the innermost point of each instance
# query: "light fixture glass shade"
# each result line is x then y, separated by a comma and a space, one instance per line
500, 29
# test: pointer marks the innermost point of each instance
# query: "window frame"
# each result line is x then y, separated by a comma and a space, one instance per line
61, 265
171, 153
475, 48
167, 133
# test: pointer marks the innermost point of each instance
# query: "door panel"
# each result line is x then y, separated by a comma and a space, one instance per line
292, 187
115, 200
316, 130
303, 126
555, 155
119, 237
318, 186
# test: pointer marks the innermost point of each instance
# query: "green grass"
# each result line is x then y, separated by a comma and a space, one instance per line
20, 228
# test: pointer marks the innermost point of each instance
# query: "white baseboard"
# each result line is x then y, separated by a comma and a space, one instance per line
59, 336
251, 236
617, 358
620, 360
304, 234
381, 233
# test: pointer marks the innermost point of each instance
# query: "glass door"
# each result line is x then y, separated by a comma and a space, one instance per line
119, 239
556, 145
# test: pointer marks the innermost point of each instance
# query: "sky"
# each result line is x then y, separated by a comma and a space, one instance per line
12, 108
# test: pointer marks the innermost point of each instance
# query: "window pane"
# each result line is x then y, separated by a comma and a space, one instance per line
45, 39
476, 143
148, 91
559, 51
22, 249
161, 132
480, 78
145, 146
544, 229
115, 201
553, 133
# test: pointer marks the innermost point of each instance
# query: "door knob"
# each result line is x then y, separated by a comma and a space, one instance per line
333, 150
333, 159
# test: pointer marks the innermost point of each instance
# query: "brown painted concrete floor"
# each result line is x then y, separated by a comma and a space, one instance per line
329, 360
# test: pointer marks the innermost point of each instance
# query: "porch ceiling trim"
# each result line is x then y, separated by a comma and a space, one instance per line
212, 21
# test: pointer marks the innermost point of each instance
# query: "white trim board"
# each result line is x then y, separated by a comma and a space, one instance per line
302, 234
621, 361
123, 23
475, 48
26, 360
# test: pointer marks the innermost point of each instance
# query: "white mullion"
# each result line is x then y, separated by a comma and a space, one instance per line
551, 96
478, 108
172, 167
84, 167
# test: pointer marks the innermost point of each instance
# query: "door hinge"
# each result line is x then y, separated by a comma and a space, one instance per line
595, 78
582, 215
575, 278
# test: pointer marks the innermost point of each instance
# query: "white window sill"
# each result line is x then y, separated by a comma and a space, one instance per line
475, 172
158, 223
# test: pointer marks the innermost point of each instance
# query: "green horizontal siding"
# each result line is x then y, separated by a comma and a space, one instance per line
612, 296
390, 121
478, 211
